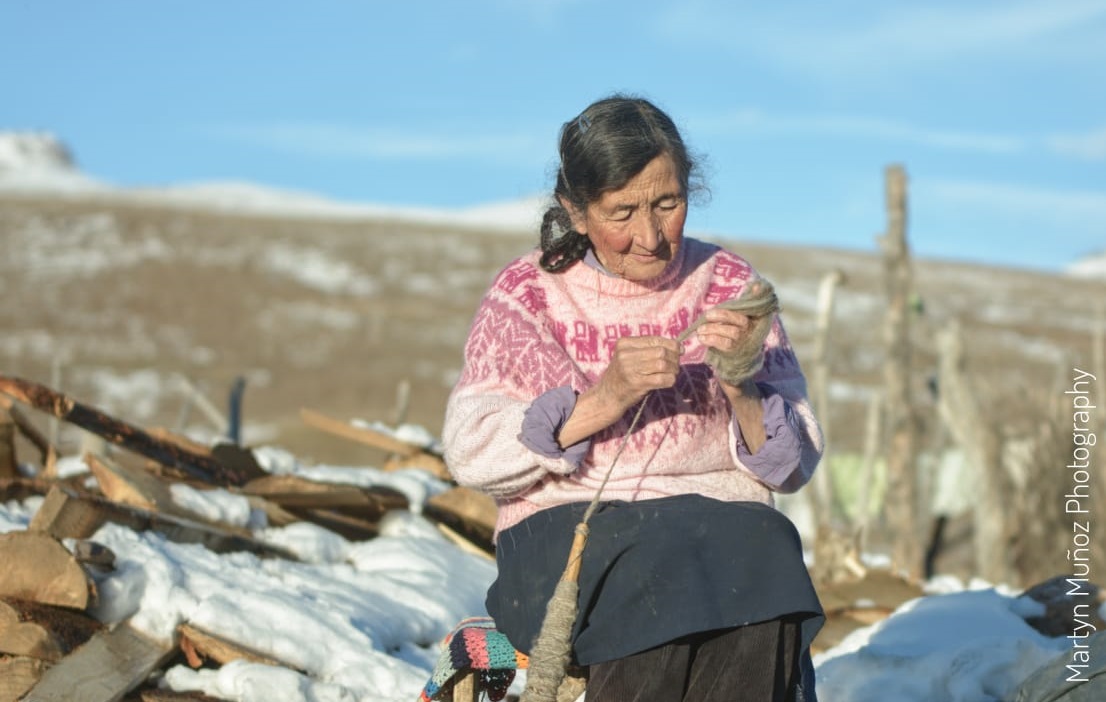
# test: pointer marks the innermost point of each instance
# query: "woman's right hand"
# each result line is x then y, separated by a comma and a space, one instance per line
639, 364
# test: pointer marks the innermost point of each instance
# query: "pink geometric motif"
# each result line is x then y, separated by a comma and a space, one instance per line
533, 299
585, 341
514, 275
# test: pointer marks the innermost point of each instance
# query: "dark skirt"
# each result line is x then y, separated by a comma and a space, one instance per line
654, 571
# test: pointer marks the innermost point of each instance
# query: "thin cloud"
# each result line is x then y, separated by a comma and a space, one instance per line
345, 142
859, 127
876, 37
1090, 146
1086, 206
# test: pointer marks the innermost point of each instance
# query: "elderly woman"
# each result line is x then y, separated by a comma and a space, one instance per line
692, 586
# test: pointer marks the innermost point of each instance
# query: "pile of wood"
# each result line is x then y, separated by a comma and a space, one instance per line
50, 648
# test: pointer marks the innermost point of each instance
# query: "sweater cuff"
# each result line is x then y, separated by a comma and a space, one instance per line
542, 421
782, 448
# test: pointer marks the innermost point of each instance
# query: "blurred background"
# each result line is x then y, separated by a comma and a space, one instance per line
311, 198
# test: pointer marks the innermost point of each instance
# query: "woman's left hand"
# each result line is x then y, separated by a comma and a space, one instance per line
723, 329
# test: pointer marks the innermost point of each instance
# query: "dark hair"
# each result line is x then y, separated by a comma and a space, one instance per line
601, 150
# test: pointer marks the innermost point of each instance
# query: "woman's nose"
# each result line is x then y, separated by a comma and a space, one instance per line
648, 233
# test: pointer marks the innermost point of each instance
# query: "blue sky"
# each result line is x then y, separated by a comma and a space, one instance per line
997, 109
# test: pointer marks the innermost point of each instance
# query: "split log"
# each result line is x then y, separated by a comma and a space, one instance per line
19, 674
120, 433
110, 665
66, 514
199, 645
46, 633
40, 569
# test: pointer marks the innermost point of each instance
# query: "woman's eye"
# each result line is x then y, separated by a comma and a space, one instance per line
668, 204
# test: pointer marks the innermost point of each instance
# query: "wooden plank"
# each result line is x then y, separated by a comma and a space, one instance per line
155, 695
423, 461
465, 544
66, 514
171, 437
200, 645
362, 435
38, 568
19, 674
290, 491
46, 633
131, 486
106, 668
120, 433
344, 525
467, 512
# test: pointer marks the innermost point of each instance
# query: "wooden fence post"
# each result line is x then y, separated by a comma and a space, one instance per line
822, 493
901, 417
981, 444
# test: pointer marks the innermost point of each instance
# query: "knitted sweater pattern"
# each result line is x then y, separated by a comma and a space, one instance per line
535, 331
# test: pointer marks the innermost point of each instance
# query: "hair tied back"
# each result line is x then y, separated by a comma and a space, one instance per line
583, 123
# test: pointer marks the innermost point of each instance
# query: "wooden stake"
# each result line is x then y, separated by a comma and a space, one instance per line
901, 417
964, 415
822, 498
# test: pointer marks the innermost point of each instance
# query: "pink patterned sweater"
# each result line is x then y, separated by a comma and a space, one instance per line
535, 331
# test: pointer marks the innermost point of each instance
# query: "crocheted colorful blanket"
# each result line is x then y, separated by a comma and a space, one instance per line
475, 645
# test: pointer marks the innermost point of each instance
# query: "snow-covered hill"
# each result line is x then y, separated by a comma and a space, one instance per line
40, 163
1092, 266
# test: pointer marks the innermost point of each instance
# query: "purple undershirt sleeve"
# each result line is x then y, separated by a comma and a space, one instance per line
542, 422
779, 457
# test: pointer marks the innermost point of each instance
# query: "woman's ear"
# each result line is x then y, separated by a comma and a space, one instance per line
579, 219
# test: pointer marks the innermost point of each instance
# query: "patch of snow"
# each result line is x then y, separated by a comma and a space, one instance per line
1091, 267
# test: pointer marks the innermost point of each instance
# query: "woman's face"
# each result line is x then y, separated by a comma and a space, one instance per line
637, 229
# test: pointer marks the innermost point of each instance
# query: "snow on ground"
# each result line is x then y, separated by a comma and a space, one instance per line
363, 620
